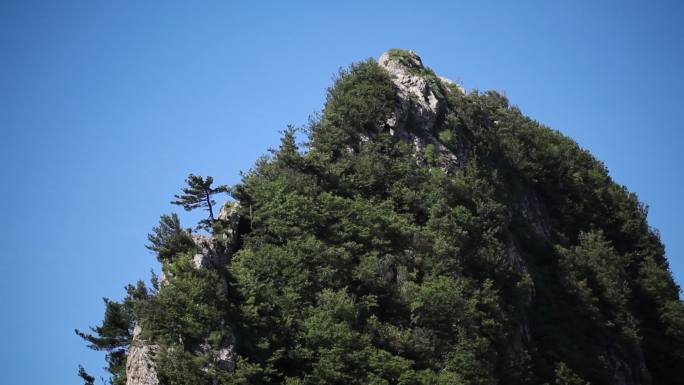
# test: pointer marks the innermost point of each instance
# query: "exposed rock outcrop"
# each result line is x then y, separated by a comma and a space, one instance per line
207, 255
215, 250
140, 366
418, 97
420, 104
230, 236
222, 357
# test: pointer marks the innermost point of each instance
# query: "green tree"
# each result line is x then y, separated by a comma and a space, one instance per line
169, 238
199, 194
565, 376
114, 335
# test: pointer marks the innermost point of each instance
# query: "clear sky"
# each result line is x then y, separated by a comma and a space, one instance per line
106, 106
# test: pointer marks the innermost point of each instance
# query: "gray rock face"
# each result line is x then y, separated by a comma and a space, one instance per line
222, 357
140, 366
416, 95
207, 256
229, 213
216, 250
420, 104
452, 84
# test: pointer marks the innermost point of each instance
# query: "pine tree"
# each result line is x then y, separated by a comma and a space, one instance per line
113, 337
169, 238
115, 333
198, 195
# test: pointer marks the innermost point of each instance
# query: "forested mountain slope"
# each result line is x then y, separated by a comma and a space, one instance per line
422, 235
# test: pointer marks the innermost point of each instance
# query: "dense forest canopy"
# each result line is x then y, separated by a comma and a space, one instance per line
431, 237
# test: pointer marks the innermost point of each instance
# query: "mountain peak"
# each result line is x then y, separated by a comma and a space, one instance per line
402, 57
426, 236
421, 102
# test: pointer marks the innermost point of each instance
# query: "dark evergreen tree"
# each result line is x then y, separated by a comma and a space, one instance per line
169, 238
199, 194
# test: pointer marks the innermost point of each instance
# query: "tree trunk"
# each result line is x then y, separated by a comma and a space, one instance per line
207, 195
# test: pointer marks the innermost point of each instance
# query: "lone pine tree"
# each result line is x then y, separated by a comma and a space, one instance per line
423, 235
199, 194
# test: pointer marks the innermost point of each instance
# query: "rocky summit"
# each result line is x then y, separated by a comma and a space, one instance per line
422, 234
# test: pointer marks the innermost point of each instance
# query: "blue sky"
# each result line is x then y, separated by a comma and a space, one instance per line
106, 106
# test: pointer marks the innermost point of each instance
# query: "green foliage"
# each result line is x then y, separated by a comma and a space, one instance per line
347, 274
565, 376
356, 105
114, 335
446, 137
198, 195
403, 55
357, 265
169, 238
662, 322
191, 310
597, 275
410, 61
